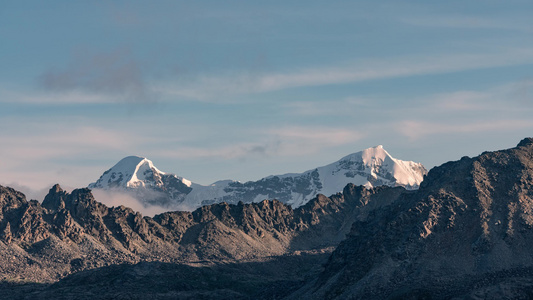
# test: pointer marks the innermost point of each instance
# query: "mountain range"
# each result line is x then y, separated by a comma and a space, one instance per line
372, 167
70, 233
465, 233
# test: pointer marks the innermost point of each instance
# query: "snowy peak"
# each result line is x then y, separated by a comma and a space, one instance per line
128, 172
371, 167
144, 171
379, 164
135, 172
374, 155
369, 157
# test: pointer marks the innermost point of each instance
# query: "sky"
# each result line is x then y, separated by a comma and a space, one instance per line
213, 90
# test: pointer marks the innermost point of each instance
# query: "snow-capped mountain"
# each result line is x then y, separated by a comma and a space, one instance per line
370, 167
139, 177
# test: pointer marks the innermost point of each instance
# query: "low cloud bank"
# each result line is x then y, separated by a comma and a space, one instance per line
32, 193
117, 198
108, 197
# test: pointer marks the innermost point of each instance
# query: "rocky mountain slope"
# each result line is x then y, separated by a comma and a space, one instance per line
70, 232
467, 233
371, 167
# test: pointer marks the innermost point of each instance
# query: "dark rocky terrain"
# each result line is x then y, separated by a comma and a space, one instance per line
467, 233
266, 248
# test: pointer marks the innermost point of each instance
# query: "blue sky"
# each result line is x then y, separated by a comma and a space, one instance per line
243, 89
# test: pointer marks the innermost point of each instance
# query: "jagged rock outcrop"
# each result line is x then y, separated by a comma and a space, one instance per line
466, 232
71, 232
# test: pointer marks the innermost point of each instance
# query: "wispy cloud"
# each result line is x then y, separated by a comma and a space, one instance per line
418, 129
316, 135
500, 108
117, 198
471, 22
329, 107
115, 73
240, 150
461, 100
30, 193
40, 154
285, 141
59, 142
211, 87
49, 97
115, 77
505, 97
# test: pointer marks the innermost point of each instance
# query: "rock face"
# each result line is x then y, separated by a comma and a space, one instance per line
71, 232
467, 232
371, 167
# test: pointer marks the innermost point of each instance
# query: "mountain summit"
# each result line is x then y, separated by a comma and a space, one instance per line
138, 176
371, 167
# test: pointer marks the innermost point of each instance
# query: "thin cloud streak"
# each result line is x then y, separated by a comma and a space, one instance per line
417, 129
59, 143
331, 107
287, 141
510, 97
208, 88
41, 154
469, 22
82, 87
64, 97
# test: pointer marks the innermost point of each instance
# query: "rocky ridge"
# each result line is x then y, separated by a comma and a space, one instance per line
71, 232
467, 233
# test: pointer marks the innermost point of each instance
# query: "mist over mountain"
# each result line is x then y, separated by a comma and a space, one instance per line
138, 177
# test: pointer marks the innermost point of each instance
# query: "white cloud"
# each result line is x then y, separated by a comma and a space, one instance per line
30, 193
117, 198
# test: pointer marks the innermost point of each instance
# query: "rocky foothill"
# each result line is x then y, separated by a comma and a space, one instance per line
71, 233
